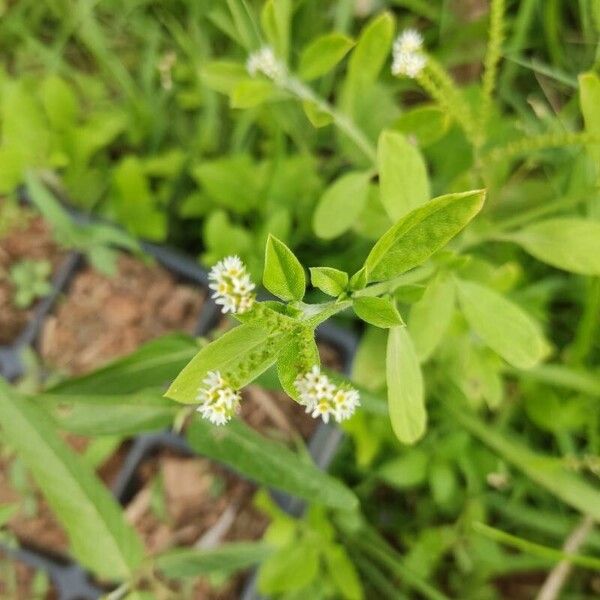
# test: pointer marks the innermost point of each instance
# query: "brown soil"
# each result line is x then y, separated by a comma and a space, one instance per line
103, 318
34, 242
17, 579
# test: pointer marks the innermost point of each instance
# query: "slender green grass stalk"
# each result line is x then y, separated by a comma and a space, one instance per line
492, 58
342, 121
544, 141
385, 589
436, 81
540, 550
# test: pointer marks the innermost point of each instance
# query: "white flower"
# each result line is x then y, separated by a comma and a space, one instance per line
407, 53
232, 286
410, 40
264, 61
218, 400
324, 399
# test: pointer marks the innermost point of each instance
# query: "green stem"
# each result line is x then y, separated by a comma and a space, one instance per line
343, 122
540, 142
492, 58
588, 325
377, 579
379, 549
388, 287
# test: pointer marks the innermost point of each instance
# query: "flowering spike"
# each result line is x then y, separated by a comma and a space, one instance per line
232, 286
407, 53
324, 399
264, 61
218, 400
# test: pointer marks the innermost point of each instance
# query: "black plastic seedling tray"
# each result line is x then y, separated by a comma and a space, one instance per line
70, 580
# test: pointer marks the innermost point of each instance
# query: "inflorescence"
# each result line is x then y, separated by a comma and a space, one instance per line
232, 286
218, 400
264, 61
322, 398
407, 53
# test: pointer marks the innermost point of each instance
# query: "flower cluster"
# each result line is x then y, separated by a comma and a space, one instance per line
408, 57
264, 61
218, 400
232, 286
322, 398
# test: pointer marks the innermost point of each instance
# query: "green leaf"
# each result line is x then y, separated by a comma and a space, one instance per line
292, 568
134, 202
406, 398
341, 204
297, 357
402, 174
151, 365
342, 572
548, 472
504, 326
430, 317
589, 91
427, 124
100, 537
243, 353
223, 76
229, 557
283, 274
331, 281
421, 233
316, 115
568, 243
371, 52
406, 471
275, 20
268, 463
249, 93
92, 414
60, 102
381, 312
322, 54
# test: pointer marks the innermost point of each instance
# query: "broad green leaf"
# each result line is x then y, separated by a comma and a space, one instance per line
402, 175
406, 471
223, 76
370, 52
297, 357
100, 538
252, 92
503, 325
60, 103
241, 354
322, 54
430, 317
341, 204
229, 557
317, 116
427, 124
343, 573
283, 274
331, 281
421, 233
546, 471
568, 243
406, 398
135, 204
151, 365
244, 22
91, 414
368, 366
589, 92
275, 20
268, 463
292, 568
381, 312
